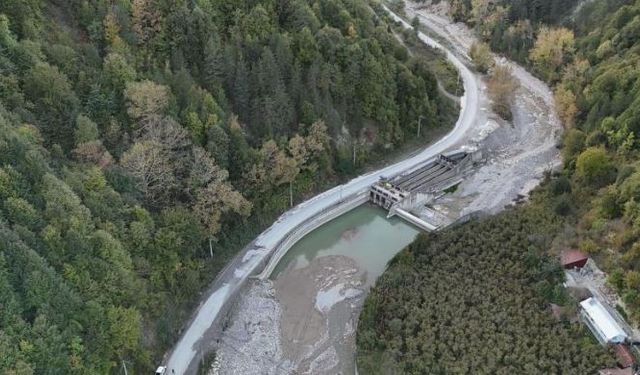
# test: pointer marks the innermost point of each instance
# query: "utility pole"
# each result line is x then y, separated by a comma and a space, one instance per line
124, 366
354, 153
290, 193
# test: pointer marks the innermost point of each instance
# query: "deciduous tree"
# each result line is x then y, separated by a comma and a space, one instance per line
481, 55
150, 166
594, 166
146, 100
553, 49
566, 106
502, 87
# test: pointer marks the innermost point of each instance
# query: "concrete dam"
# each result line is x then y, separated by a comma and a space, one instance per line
404, 195
401, 195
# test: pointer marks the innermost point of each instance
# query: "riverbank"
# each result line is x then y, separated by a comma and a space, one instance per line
206, 325
317, 288
520, 152
517, 156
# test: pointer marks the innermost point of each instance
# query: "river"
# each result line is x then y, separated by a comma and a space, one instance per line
303, 319
364, 235
322, 281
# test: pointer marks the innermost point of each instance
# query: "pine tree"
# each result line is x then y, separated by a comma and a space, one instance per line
241, 93
213, 63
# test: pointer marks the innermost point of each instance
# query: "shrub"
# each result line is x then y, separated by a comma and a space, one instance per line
594, 167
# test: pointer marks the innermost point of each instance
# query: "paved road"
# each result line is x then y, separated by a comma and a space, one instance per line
185, 353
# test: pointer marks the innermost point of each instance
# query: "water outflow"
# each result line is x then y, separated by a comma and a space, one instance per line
364, 234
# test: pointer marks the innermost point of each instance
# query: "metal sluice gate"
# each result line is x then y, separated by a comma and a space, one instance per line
401, 194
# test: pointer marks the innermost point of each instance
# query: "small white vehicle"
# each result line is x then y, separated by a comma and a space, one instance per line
161, 370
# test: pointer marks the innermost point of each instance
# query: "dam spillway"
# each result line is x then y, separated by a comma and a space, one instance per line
404, 193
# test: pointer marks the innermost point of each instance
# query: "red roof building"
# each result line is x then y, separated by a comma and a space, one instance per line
624, 355
573, 259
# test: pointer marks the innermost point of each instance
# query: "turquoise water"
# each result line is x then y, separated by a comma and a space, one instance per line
364, 234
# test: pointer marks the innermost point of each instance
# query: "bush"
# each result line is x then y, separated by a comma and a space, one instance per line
616, 279
572, 144
481, 55
560, 185
594, 167
501, 87
562, 205
630, 187
624, 173
610, 204
589, 246
621, 311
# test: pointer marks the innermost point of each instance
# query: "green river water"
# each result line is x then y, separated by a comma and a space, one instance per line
364, 234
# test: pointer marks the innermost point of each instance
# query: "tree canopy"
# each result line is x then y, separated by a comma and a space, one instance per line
143, 143
589, 53
476, 298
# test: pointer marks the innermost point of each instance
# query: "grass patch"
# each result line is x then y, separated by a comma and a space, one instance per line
452, 189
622, 313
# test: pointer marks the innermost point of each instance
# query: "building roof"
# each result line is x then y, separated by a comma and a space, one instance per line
572, 256
616, 371
605, 325
625, 358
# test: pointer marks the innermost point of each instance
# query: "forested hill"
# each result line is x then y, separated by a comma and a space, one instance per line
592, 58
475, 299
142, 142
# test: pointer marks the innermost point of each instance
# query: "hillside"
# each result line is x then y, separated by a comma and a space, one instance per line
589, 53
142, 143
592, 57
476, 299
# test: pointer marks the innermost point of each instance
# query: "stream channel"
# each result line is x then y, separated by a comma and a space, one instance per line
364, 235
322, 281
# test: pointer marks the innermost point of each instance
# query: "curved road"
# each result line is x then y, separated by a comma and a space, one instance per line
229, 282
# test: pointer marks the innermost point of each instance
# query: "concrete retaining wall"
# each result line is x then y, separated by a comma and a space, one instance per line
321, 218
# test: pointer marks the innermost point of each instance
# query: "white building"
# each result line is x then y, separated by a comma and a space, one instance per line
601, 322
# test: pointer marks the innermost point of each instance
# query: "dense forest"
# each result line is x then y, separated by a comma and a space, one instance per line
591, 57
143, 143
476, 299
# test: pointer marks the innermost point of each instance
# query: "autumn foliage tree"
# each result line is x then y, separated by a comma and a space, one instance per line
566, 106
553, 49
481, 55
502, 87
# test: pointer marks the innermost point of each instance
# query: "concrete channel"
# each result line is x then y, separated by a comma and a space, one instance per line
298, 233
